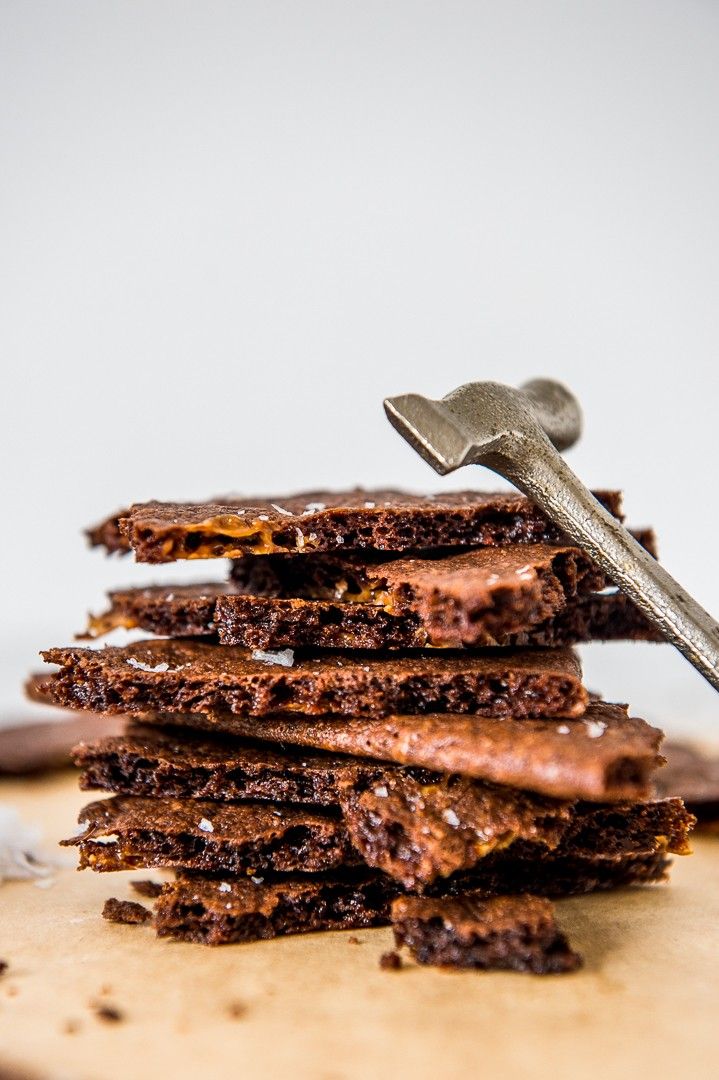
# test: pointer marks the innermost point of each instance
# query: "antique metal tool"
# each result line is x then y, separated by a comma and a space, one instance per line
518, 434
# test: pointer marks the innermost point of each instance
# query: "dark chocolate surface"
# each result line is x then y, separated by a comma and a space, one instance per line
326, 521
194, 677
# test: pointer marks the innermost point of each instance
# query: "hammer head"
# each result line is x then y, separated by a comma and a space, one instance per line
482, 422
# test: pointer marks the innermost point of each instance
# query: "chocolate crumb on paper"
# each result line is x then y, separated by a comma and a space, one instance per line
125, 911
390, 961
109, 1014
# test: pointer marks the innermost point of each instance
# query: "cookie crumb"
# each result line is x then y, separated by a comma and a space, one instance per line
353, 940
236, 1010
150, 889
3, 966
125, 911
110, 1014
390, 961
71, 1027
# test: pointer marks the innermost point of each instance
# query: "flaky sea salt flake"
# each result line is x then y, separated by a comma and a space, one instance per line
163, 666
283, 657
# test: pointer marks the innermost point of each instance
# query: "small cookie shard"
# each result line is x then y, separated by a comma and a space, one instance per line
327, 521
126, 832
217, 911
194, 677
419, 830
512, 933
419, 833
605, 756
693, 775
359, 576
125, 911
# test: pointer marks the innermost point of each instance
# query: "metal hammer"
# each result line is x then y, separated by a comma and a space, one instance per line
518, 434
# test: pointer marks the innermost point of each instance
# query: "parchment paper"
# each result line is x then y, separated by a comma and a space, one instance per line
646, 1004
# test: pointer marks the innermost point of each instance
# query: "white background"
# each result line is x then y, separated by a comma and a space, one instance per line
230, 229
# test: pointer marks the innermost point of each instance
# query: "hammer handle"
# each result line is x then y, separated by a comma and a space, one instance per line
552, 485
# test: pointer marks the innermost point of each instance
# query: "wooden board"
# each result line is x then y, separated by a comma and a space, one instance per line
319, 1007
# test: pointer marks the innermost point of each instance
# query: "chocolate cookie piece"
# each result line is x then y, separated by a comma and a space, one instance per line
327, 521
528, 868
126, 832
511, 933
258, 622
162, 763
355, 576
195, 907
217, 911
605, 616
194, 677
693, 775
475, 598
167, 610
605, 756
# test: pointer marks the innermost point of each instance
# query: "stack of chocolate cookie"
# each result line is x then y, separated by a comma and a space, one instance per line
378, 706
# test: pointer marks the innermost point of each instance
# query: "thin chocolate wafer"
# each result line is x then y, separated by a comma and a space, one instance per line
472, 598
216, 612
220, 909
164, 762
195, 677
126, 832
326, 521
604, 756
